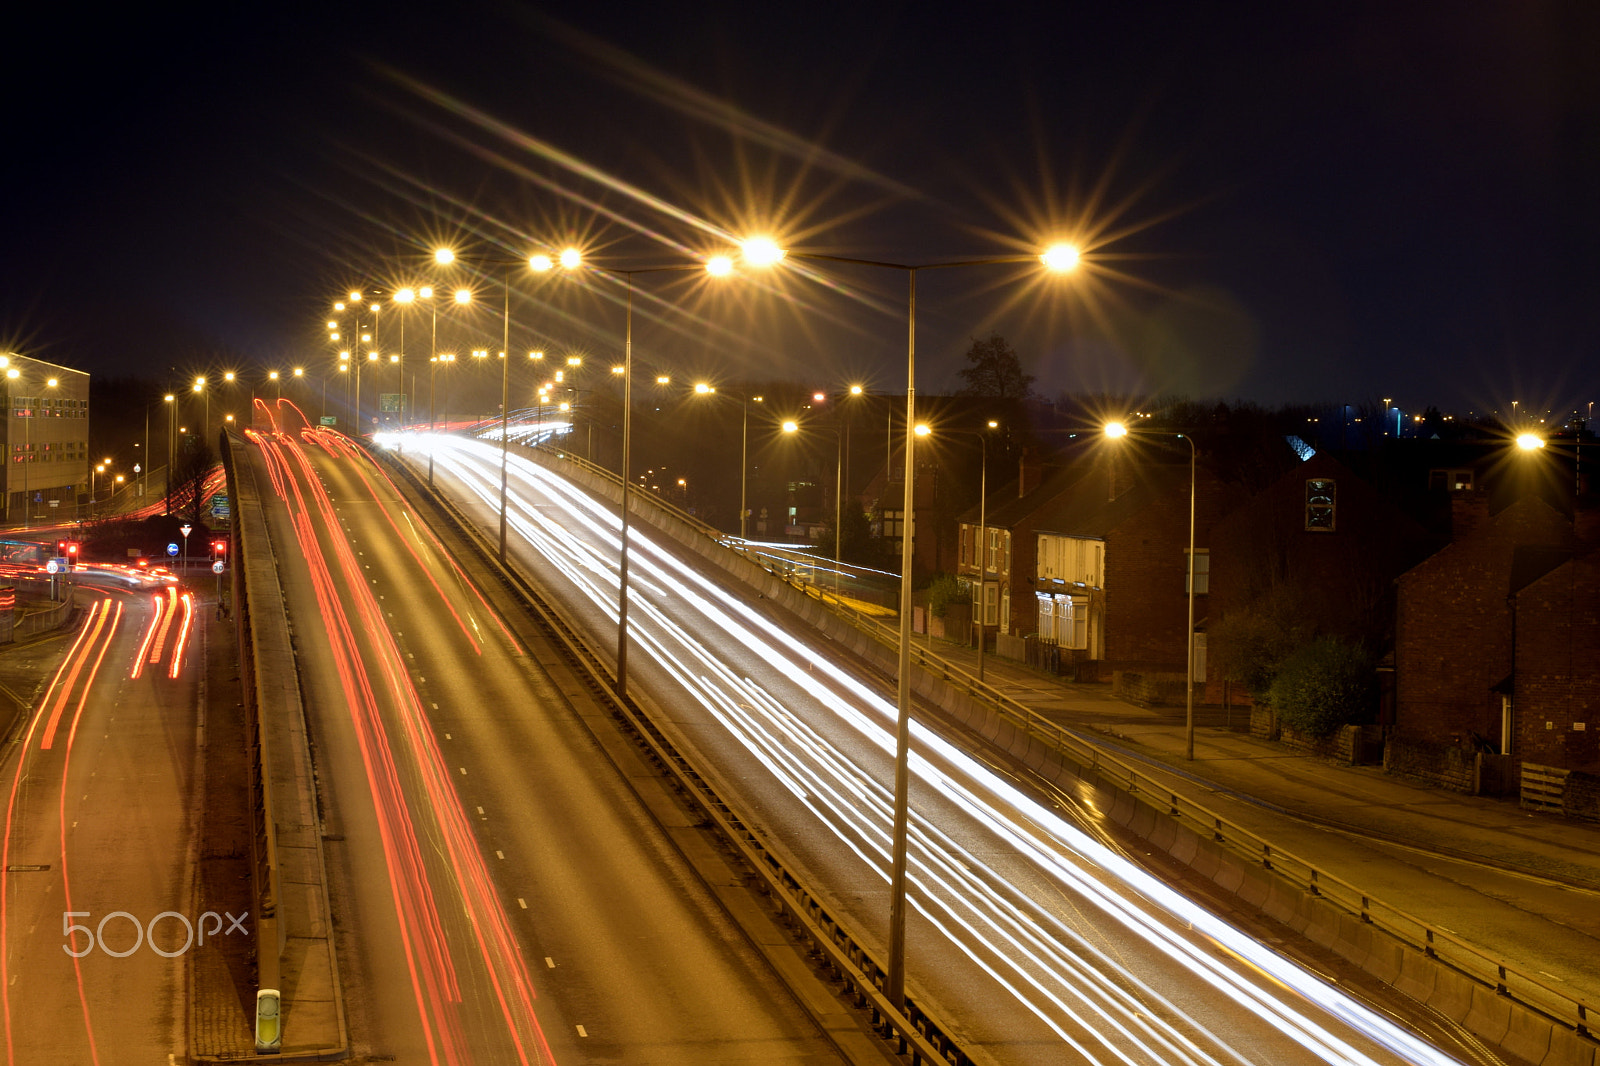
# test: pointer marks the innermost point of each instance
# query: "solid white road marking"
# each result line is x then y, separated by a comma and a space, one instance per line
524, 905
582, 1031
499, 854
548, 961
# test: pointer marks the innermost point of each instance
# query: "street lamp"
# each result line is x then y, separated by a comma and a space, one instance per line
1116, 431
765, 252
745, 400
172, 445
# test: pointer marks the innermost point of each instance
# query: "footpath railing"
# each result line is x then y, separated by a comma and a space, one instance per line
1490, 971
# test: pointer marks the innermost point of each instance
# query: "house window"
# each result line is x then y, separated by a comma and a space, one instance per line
1202, 572
991, 550
1450, 480
1322, 501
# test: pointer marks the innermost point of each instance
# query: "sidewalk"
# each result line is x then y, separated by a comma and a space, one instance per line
1518, 884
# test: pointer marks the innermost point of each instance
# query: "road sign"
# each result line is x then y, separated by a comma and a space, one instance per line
135, 468
329, 420
185, 529
38, 497
218, 567
56, 566
172, 549
220, 507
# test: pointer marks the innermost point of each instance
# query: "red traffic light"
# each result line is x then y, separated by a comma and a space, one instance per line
219, 547
72, 549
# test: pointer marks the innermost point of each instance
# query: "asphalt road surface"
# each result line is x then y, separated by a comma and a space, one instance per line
100, 830
500, 892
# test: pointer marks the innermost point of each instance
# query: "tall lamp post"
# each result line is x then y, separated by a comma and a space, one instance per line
171, 401
1116, 431
980, 542
763, 252
745, 400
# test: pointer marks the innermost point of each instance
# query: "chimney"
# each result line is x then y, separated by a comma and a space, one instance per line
1031, 472
1468, 511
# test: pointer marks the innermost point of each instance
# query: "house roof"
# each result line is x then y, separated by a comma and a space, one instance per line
1074, 500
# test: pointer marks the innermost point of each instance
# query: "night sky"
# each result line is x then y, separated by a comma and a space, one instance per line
1280, 202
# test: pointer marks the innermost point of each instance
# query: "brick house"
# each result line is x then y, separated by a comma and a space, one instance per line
1455, 622
1091, 559
1319, 544
1555, 689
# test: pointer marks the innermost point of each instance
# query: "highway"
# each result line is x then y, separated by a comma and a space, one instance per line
1030, 938
501, 892
101, 823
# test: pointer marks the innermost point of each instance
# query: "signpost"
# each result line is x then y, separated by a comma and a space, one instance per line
172, 549
185, 529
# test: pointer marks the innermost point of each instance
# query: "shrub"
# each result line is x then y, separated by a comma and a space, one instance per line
944, 590
1325, 684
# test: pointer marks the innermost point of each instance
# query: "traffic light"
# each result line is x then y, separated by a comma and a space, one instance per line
219, 549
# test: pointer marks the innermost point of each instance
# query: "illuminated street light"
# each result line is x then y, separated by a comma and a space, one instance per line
571, 258
1116, 431
761, 252
1061, 257
719, 266
790, 426
1530, 442
765, 252
444, 256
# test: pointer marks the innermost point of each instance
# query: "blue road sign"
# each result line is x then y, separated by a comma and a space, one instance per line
172, 549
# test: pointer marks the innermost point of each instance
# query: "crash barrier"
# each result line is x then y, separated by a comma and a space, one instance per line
286, 838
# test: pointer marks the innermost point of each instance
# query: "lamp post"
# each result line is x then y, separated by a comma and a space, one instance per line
745, 400
1116, 431
171, 401
981, 541
764, 252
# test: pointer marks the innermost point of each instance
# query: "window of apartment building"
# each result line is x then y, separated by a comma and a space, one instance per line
1322, 501
991, 552
1202, 572
1450, 480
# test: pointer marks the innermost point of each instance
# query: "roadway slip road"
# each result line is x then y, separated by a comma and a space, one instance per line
101, 819
501, 893
1028, 939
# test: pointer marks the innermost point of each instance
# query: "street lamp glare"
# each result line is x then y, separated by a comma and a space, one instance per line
662, 379
856, 390
993, 424
703, 389
13, 373
169, 397
299, 371
790, 426
1061, 257
619, 370
761, 251
921, 429
426, 292
541, 263
338, 306
332, 324
719, 266
355, 297
344, 356
405, 296
52, 383
463, 296
1116, 429
444, 256
272, 375
535, 355
1530, 442
571, 258
229, 376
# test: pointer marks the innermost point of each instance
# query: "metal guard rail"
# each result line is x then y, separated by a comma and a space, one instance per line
1432, 941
